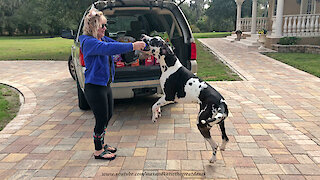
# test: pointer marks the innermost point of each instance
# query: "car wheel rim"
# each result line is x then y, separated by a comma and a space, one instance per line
72, 69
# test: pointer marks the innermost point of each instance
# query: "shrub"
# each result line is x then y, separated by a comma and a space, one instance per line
288, 41
194, 28
203, 24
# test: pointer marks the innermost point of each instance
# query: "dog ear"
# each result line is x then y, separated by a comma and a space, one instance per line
165, 49
172, 47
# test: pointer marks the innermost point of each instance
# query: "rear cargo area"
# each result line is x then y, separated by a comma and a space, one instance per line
127, 25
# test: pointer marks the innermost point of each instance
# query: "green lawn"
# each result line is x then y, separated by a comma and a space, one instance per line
306, 62
210, 68
211, 35
41, 48
34, 48
9, 105
21, 37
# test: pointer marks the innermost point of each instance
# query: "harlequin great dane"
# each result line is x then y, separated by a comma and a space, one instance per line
180, 85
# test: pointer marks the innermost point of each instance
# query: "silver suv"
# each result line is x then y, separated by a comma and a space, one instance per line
127, 20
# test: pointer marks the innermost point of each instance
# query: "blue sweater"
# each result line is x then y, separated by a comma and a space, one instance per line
96, 57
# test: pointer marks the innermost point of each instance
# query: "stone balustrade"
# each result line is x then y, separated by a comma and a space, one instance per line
301, 25
245, 24
304, 25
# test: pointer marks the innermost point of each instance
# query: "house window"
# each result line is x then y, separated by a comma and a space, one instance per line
310, 7
275, 7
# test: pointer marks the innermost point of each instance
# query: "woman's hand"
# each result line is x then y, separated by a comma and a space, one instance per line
139, 45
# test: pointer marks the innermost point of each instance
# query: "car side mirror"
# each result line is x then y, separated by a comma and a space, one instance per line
68, 34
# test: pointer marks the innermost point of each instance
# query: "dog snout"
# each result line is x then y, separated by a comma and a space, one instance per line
144, 37
147, 48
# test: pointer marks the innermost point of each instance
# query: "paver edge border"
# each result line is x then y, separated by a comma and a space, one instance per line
242, 74
292, 68
221, 58
28, 102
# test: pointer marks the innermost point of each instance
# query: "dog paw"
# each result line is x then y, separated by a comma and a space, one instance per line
213, 159
159, 112
154, 117
223, 145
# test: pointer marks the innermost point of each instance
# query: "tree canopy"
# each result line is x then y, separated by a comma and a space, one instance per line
35, 17
38, 17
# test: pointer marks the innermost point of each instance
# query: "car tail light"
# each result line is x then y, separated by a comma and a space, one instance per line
193, 55
81, 58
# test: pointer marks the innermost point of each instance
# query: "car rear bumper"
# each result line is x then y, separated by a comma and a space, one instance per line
122, 90
194, 66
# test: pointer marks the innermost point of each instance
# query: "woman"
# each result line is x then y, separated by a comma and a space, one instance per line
99, 73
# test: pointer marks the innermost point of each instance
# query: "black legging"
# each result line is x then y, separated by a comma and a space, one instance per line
100, 101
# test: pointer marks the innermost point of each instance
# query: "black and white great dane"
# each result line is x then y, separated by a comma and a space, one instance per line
180, 85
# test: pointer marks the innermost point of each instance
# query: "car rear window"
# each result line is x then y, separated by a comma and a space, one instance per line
130, 22
122, 23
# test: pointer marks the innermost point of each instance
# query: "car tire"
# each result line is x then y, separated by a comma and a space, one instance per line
83, 104
71, 67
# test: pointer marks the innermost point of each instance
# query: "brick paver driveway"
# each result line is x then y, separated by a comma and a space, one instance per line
273, 127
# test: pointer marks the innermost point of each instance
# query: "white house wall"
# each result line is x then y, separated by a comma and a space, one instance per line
291, 7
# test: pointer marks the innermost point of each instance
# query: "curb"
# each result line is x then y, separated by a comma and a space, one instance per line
28, 102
